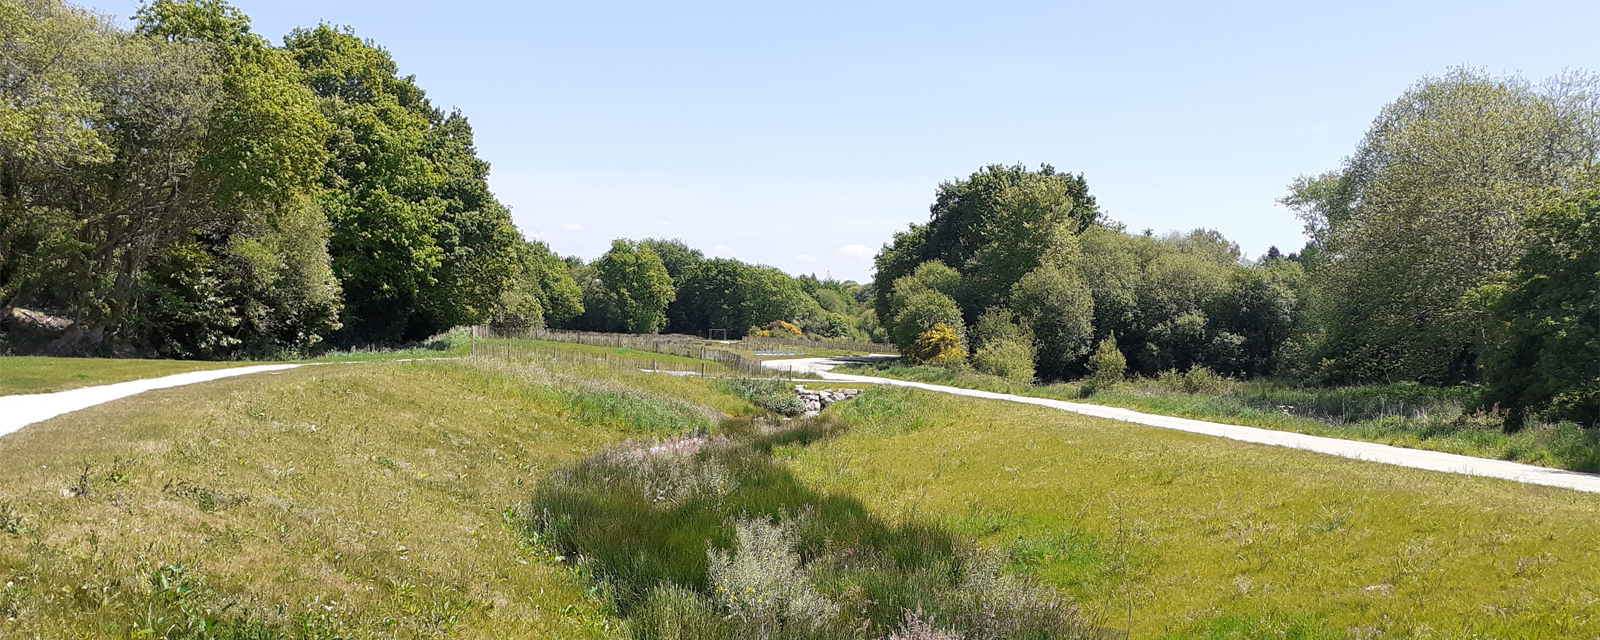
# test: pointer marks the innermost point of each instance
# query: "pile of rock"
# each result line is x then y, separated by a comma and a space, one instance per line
816, 401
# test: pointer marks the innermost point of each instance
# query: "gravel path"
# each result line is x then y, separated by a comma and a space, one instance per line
17, 412
1368, 451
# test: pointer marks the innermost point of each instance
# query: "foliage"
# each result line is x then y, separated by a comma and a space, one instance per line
1546, 355
938, 346
542, 292
1060, 311
992, 228
1430, 208
770, 394
728, 294
635, 288
923, 300
419, 242
144, 168
776, 328
1107, 366
1008, 358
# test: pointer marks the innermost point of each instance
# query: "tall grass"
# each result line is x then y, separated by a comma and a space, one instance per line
707, 537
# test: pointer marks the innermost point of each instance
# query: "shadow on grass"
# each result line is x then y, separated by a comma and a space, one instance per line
708, 537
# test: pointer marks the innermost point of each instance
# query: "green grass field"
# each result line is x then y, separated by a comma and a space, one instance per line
354, 501
19, 375
380, 500
1413, 416
1211, 538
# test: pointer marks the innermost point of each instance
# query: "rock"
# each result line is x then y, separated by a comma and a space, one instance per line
815, 401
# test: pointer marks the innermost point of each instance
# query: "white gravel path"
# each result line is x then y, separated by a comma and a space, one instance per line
1368, 451
17, 412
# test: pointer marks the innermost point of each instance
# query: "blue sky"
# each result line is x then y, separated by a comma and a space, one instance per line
802, 135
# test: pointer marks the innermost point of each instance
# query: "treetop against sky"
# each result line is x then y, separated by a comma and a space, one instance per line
802, 136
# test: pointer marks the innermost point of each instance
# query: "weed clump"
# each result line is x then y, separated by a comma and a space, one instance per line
771, 395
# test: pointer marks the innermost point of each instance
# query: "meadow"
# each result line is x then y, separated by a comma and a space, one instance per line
1404, 415
1185, 536
491, 498
367, 500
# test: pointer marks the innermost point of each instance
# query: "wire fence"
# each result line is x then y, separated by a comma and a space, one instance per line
489, 342
841, 345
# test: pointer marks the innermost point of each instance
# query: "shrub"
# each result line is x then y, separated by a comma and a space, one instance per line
776, 329
1009, 359
761, 582
939, 346
1107, 366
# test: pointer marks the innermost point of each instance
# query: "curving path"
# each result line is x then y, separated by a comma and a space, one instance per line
17, 412
1368, 451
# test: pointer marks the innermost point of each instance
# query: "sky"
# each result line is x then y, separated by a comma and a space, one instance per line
803, 135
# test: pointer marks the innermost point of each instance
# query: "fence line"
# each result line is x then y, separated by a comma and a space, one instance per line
845, 345
675, 345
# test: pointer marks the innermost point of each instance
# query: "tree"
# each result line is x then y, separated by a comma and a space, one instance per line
992, 228
728, 294
635, 286
159, 179
1002, 346
939, 346
544, 292
1058, 308
1430, 208
1546, 355
418, 241
921, 300
676, 256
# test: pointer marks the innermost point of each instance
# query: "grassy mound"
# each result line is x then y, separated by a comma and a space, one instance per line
341, 501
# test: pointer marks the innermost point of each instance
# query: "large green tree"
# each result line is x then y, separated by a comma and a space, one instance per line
158, 185
1431, 207
635, 288
418, 240
729, 294
993, 227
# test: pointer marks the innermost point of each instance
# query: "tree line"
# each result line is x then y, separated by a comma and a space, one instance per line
1459, 244
657, 285
185, 188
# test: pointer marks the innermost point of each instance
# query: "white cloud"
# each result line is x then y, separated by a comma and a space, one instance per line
806, 257
857, 251
573, 226
722, 249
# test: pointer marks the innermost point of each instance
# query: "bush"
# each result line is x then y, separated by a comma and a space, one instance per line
776, 329
1009, 359
1197, 380
939, 346
1107, 366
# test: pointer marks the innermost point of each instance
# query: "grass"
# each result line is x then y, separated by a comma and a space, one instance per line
38, 374
706, 537
23, 375
1192, 536
1404, 415
322, 502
